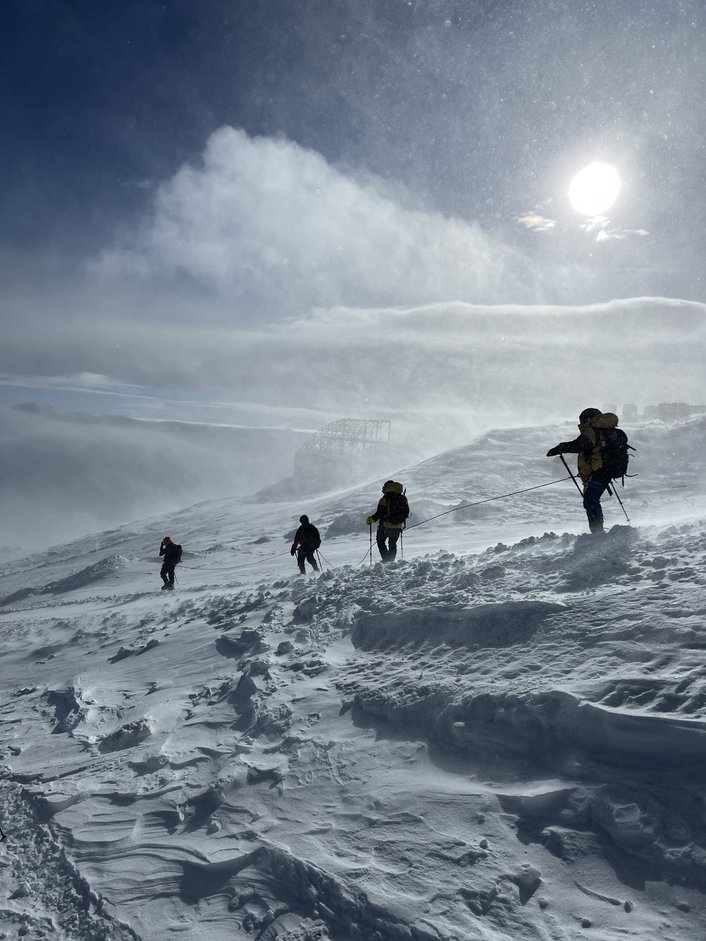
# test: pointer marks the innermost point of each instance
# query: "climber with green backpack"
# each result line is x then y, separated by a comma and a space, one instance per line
391, 516
602, 450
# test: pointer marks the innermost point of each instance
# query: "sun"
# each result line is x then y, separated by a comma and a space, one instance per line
595, 189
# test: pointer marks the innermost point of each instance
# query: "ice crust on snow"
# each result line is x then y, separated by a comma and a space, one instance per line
488, 739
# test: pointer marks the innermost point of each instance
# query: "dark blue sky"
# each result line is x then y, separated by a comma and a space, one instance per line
480, 109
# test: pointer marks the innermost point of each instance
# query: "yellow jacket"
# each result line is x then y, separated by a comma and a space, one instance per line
588, 444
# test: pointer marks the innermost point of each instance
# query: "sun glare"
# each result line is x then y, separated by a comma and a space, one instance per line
594, 189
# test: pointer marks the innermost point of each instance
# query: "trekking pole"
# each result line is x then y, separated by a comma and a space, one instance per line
615, 494
571, 475
402, 544
612, 490
370, 552
321, 568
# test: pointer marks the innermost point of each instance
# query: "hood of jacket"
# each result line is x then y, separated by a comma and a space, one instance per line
605, 420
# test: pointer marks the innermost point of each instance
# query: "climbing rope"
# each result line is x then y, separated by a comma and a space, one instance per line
455, 509
247, 565
501, 496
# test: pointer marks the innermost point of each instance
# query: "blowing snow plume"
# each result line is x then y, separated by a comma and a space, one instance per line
276, 229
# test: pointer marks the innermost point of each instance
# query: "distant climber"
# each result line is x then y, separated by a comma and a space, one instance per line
172, 557
602, 450
306, 541
391, 516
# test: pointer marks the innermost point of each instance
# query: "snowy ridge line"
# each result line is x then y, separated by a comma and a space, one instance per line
545, 727
96, 572
550, 725
340, 908
325, 902
488, 625
661, 826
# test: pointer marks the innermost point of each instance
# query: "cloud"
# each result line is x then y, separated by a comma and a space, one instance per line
87, 382
600, 228
445, 358
536, 222
273, 228
66, 474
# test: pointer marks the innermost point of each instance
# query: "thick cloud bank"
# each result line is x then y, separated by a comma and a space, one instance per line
501, 360
274, 228
66, 474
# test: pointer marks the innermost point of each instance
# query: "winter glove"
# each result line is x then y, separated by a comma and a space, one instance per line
552, 452
369, 520
292, 550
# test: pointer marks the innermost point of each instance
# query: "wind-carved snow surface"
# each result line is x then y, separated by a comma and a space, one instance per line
502, 735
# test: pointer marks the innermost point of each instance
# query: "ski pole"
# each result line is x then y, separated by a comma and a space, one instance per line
571, 475
321, 568
401, 545
370, 526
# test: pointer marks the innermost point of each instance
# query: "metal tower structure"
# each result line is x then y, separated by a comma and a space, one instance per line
348, 444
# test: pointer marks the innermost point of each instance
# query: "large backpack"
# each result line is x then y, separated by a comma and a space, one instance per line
614, 451
397, 506
313, 536
177, 558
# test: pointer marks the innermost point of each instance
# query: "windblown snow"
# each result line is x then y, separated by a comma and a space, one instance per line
501, 735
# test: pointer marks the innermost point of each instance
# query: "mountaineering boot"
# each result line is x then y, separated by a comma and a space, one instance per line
165, 586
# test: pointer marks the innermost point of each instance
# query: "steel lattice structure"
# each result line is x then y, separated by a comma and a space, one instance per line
359, 436
345, 449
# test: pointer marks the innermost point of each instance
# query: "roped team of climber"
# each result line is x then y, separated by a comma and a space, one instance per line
602, 458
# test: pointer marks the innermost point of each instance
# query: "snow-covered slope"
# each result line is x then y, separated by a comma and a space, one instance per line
502, 735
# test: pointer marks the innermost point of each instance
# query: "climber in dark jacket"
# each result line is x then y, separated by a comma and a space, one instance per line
391, 515
172, 557
306, 541
596, 478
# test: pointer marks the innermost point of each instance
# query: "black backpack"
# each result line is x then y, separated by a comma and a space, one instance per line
310, 537
614, 451
177, 558
397, 508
